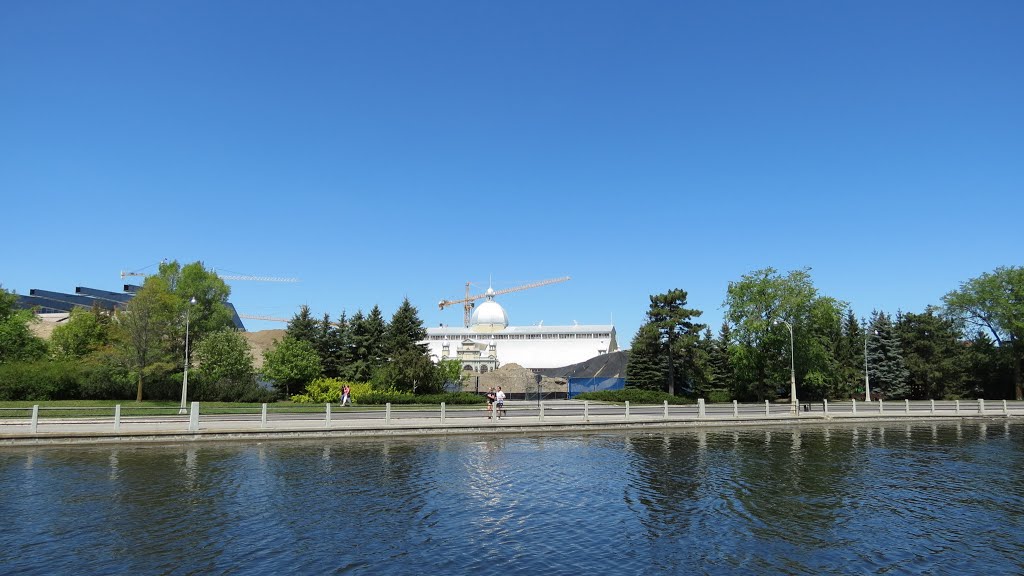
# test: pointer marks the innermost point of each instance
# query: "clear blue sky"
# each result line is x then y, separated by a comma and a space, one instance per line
378, 150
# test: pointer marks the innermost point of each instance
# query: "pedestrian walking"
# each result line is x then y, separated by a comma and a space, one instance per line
499, 399
346, 396
491, 397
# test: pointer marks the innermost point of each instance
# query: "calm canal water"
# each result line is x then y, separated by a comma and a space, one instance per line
865, 499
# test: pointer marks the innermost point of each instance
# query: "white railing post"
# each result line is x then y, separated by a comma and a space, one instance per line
586, 410
327, 418
735, 409
700, 408
193, 418
387, 414
35, 418
981, 405
1006, 410
854, 400
627, 409
933, 406
263, 416
665, 412
767, 409
957, 406
880, 407
117, 418
540, 415
442, 413
825, 403
907, 406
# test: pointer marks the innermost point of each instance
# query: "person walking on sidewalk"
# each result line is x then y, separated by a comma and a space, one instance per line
490, 403
499, 398
346, 395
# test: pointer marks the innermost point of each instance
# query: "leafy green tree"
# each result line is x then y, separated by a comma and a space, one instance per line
449, 371
994, 302
291, 364
989, 371
889, 374
761, 357
934, 355
210, 312
224, 359
85, 332
410, 371
17, 343
142, 329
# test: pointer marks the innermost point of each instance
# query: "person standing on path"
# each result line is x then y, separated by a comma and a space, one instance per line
490, 402
499, 398
345, 395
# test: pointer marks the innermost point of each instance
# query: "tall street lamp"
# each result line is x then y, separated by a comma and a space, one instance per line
792, 364
867, 380
184, 380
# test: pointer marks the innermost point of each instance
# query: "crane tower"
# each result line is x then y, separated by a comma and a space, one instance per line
469, 301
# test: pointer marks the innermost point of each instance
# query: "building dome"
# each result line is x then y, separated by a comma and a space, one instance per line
489, 316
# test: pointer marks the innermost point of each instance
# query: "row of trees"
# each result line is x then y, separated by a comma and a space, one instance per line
135, 351
966, 348
363, 348
141, 349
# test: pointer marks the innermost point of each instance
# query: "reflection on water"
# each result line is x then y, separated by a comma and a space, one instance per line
868, 498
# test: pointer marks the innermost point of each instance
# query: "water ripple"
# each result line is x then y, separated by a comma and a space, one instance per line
871, 499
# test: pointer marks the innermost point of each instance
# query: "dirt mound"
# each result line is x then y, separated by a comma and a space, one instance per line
260, 342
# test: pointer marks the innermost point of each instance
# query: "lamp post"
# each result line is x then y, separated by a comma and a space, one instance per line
867, 380
792, 365
184, 380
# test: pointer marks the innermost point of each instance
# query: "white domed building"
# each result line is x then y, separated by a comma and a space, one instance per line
490, 341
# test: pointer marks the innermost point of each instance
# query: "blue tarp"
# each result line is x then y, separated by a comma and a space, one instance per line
581, 385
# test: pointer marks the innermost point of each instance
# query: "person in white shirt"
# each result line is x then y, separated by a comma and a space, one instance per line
499, 398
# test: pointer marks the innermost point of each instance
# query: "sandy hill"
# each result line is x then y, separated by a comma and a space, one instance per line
260, 342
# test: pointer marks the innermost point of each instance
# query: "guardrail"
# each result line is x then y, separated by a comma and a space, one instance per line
84, 420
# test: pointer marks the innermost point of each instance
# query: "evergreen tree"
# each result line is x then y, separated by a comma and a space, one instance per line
721, 366
405, 332
646, 369
850, 357
325, 343
376, 330
888, 370
302, 326
360, 368
342, 337
678, 336
934, 355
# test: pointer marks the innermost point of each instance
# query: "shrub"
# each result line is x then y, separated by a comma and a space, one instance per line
451, 399
634, 396
324, 390
39, 380
719, 396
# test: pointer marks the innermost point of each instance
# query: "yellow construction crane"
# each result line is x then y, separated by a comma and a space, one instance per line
468, 301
